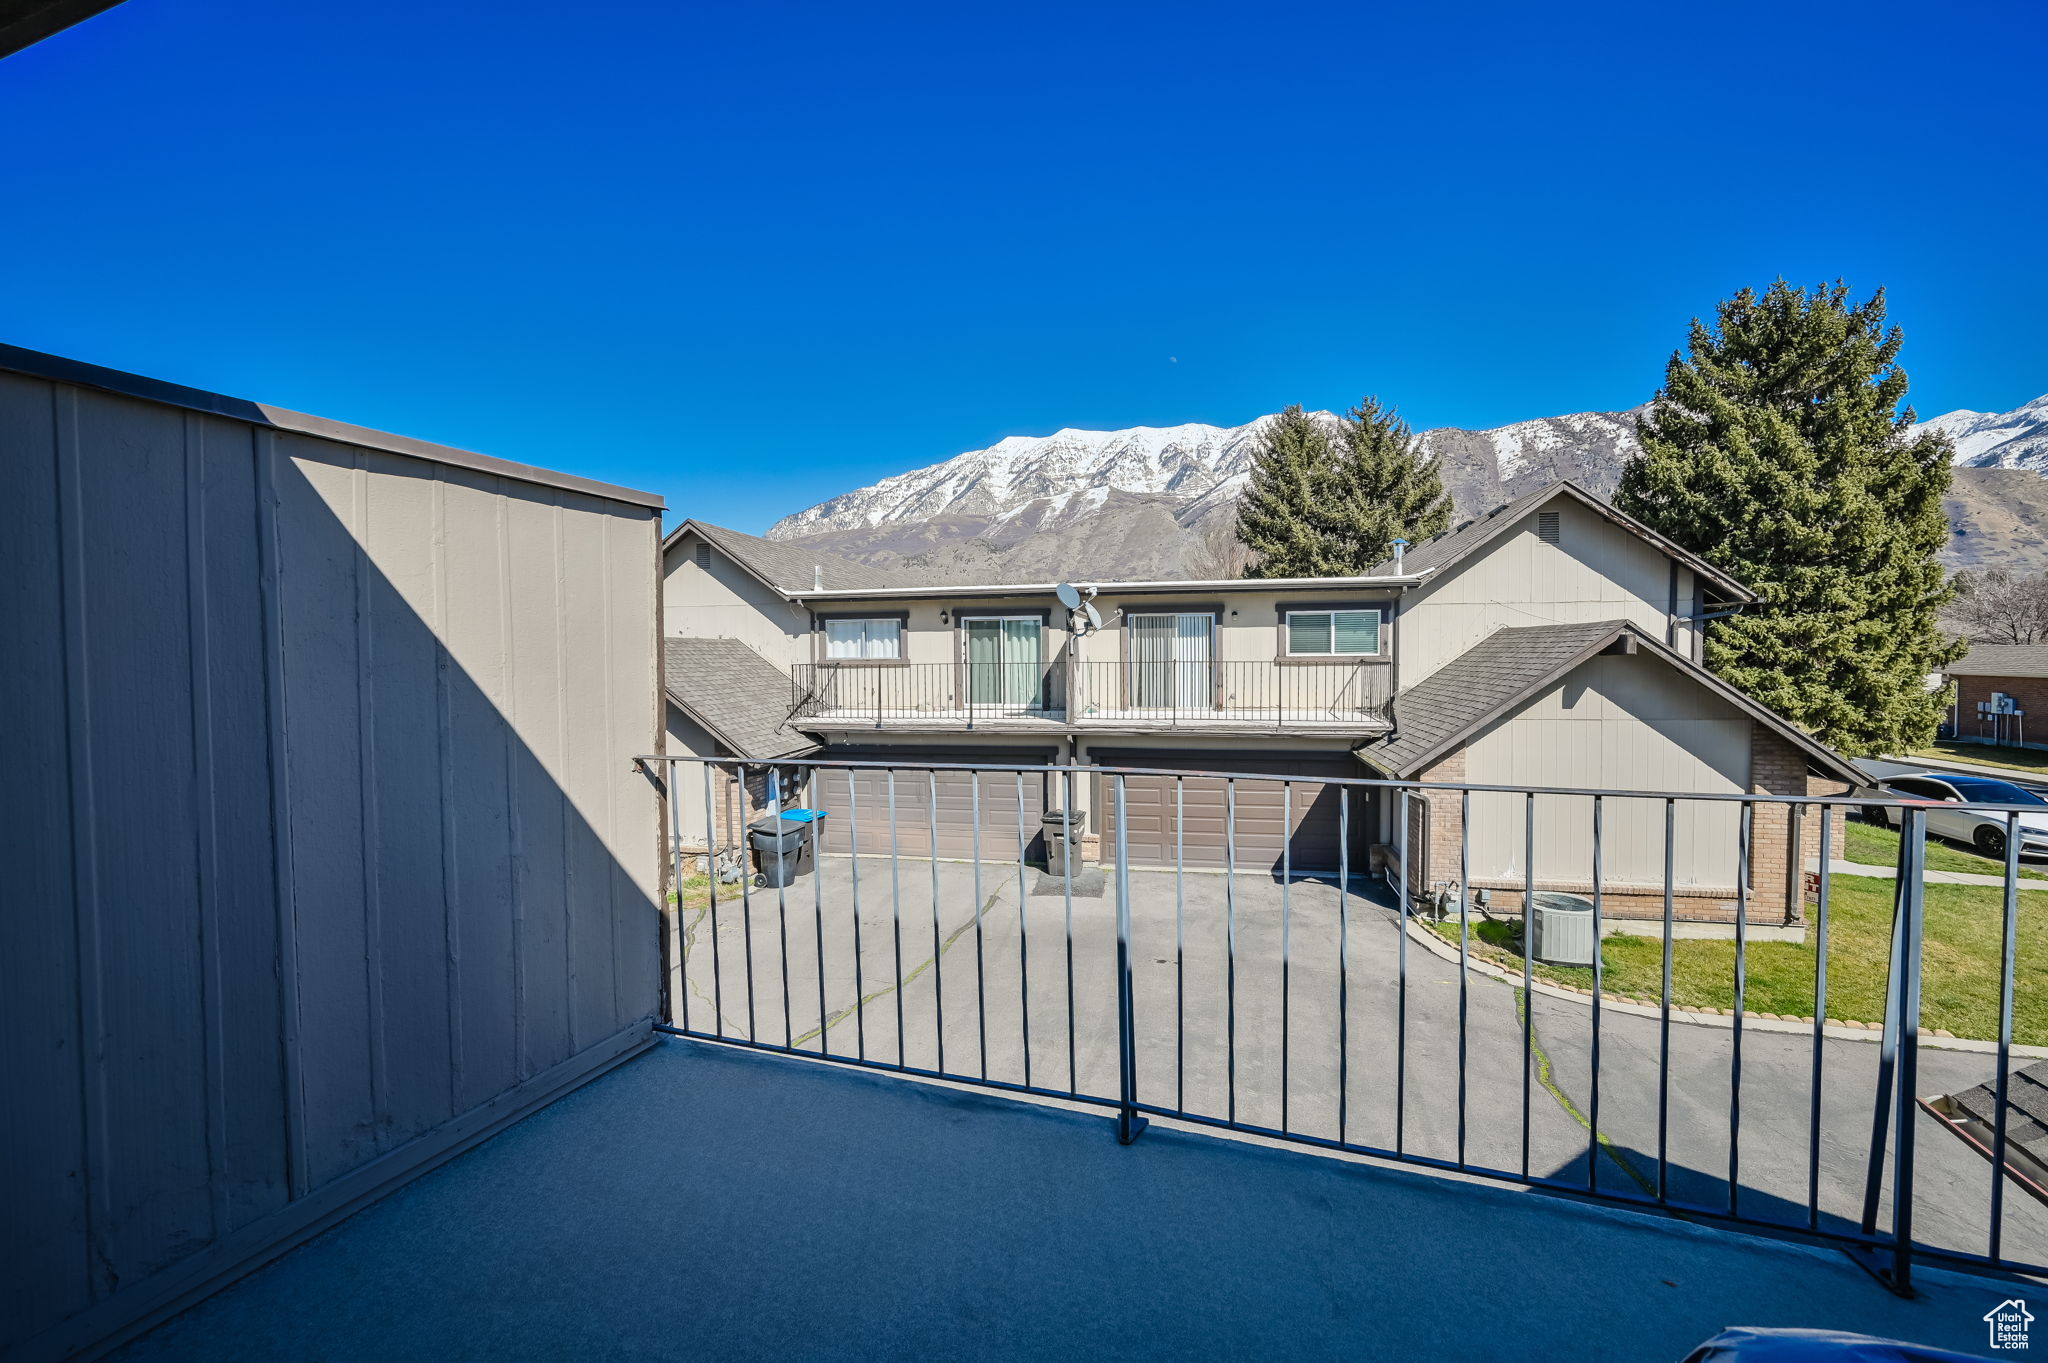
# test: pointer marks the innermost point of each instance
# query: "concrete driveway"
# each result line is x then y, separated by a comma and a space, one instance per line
1267, 1043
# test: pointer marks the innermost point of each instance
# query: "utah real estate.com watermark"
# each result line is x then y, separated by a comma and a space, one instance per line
2008, 1322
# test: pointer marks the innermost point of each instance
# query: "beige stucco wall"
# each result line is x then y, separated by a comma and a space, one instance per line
725, 601
1615, 722
1597, 571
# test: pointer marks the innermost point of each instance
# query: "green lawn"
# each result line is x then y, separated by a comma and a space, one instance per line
1984, 755
696, 889
1960, 981
1877, 845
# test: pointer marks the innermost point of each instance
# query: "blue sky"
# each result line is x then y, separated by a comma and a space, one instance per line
749, 256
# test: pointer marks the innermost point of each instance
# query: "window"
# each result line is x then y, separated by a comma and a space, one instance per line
703, 556
864, 639
1332, 633
1920, 788
1003, 666
1983, 791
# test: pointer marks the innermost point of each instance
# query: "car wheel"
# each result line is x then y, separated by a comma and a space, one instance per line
1989, 841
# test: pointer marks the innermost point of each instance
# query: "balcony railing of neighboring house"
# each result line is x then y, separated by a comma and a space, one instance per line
1398, 1017
908, 693
1259, 693
1256, 694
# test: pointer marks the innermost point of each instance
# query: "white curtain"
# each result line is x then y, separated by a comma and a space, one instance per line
861, 639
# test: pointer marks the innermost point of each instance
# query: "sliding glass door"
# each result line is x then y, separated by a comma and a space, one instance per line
1171, 661
1003, 666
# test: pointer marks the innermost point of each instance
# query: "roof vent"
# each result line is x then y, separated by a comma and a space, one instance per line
817, 577
1400, 552
703, 556
1546, 526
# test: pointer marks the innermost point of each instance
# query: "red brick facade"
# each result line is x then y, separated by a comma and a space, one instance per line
2029, 693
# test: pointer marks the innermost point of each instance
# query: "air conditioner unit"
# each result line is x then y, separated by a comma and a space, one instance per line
1560, 928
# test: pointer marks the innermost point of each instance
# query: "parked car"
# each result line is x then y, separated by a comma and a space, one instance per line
1983, 830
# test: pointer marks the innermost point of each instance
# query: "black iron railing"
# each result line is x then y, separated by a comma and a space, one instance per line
1403, 1014
1257, 694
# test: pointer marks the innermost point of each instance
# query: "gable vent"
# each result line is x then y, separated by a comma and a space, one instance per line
703, 556
1546, 526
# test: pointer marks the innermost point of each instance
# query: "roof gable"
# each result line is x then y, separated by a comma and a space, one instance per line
790, 569
1438, 555
1510, 667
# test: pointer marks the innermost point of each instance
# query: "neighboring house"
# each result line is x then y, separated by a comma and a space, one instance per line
726, 700
2000, 689
1554, 642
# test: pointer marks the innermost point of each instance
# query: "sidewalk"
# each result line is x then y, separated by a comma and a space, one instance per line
2019, 776
1858, 868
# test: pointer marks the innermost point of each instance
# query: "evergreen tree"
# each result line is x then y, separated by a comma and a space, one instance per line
1325, 503
1777, 451
1277, 518
1385, 487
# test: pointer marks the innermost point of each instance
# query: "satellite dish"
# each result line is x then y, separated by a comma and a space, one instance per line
1094, 615
1069, 598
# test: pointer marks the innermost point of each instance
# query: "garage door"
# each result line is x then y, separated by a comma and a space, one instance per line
1263, 827
861, 795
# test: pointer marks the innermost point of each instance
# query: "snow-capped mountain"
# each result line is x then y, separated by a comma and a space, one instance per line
1151, 501
1075, 469
1998, 440
1062, 477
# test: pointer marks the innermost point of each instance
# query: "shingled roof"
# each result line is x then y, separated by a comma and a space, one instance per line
1435, 555
793, 569
736, 694
2002, 660
1512, 666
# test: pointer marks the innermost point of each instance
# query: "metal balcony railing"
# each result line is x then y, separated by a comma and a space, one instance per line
878, 693
1399, 1016
1257, 694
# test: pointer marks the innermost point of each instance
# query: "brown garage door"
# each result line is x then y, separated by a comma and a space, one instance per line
861, 795
1263, 830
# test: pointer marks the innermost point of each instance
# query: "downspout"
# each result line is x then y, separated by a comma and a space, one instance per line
1671, 615
1394, 620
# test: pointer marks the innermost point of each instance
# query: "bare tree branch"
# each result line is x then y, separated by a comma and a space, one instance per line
1999, 606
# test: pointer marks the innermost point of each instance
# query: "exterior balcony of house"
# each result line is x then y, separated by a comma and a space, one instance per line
1134, 695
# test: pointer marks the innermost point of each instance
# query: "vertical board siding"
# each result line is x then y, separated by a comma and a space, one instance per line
321, 825
480, 745
134, 699
244, 953
544, 968
42, 1162
400, 567
323, 725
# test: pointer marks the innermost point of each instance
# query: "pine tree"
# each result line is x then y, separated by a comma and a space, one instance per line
1777, 451
1385, 487
1277, 518
1330, 504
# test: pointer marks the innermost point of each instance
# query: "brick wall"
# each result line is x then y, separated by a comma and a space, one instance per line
1784, 837
2029, 693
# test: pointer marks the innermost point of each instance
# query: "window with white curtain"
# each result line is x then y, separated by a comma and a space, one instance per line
1332, 633
864, 640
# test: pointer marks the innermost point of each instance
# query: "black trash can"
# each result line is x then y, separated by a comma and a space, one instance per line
1062, 829
782, 845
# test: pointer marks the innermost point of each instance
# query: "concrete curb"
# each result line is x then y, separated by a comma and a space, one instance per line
2022, 775
1692, 1017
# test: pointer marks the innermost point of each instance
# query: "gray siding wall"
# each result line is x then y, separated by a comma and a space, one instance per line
323, 846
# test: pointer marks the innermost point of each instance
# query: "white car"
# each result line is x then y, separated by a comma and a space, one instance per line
1981, 829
